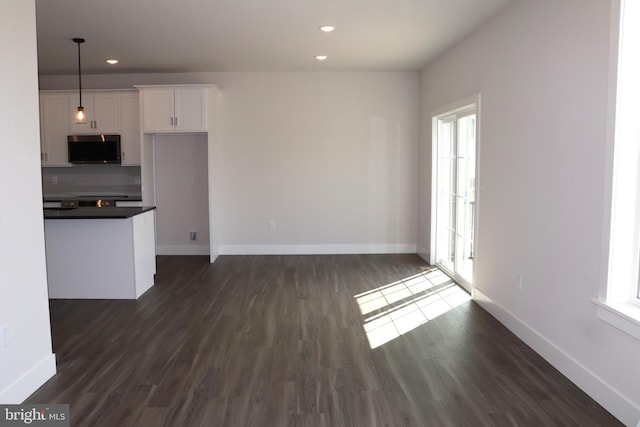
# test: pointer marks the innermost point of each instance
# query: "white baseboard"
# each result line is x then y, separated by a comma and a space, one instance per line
182, 250
24, 386
599, 390
400, 248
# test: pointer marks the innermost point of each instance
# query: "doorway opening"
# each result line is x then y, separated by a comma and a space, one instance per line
454, 210
181, 194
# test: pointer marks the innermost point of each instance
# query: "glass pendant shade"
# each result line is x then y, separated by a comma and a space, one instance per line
81, 117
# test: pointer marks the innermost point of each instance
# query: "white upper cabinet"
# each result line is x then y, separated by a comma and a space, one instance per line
171, 109
191, 110
103, 113
108, 112
158, 110
130, 128
54, 128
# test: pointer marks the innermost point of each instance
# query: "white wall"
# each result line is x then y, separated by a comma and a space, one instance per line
27, 362
541, 67
330, 157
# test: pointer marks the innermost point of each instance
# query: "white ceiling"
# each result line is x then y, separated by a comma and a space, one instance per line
251, 35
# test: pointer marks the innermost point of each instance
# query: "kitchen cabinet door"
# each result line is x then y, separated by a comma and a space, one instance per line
106, 109
54, 129
158, 110
190, 110
130, 128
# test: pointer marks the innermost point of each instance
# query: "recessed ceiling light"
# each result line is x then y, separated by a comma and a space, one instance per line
111, 61
321, 57
327, 28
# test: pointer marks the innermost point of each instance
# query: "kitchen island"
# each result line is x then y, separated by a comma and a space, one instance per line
100, 253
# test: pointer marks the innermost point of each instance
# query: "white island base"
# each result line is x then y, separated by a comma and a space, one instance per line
100, 258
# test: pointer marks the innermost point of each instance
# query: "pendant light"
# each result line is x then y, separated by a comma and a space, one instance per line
81, 117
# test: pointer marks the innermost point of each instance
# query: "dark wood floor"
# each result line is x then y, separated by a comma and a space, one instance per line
280, 341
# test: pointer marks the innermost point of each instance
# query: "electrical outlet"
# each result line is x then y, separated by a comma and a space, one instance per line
519, 281
54, 179
272, 225
193, 235
5, 338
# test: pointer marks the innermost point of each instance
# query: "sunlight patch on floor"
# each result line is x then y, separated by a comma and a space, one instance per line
397, 308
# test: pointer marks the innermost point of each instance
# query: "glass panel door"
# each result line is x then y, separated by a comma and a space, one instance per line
455, 194
465, 196
446, 199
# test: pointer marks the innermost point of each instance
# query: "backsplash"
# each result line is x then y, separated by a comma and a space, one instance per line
99, 179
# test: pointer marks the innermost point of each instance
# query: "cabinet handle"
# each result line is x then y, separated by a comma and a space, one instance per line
176, 122
171, 121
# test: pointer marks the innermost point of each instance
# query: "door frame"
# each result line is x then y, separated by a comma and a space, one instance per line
438, 114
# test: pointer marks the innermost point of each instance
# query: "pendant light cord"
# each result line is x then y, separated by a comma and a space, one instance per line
79, 41
79, 75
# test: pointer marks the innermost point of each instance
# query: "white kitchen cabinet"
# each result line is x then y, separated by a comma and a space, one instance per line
102, 110
108, 112
54, 128
130, 128
170, 109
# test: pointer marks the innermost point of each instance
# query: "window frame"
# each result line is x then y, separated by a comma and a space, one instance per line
618, 301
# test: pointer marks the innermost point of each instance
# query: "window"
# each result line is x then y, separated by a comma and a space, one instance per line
619, 301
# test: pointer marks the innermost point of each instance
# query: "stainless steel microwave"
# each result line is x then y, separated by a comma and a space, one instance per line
94, 148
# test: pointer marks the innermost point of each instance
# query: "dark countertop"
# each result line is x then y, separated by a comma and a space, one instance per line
91, 212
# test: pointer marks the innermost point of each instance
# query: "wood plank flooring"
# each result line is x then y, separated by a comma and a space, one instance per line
280, 341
